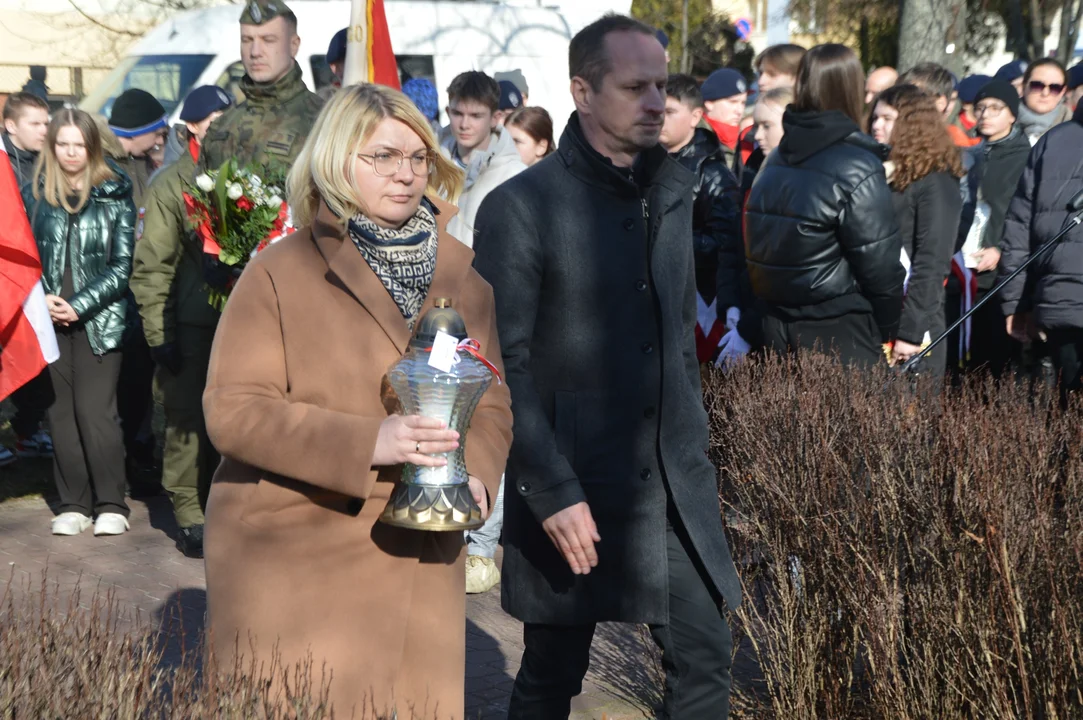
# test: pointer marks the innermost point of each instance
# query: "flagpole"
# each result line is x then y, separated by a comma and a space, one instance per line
356, 70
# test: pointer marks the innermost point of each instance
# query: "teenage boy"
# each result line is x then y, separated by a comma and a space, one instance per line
26, 121
716, 237
488, 154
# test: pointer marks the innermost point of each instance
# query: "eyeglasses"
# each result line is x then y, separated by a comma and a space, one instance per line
386, 163
992, 110
1037, 86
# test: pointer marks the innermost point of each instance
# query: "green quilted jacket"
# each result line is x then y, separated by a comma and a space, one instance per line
101, 262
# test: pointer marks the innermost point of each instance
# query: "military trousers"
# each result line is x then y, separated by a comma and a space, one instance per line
189, 460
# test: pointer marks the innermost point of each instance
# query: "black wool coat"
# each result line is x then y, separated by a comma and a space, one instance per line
594, 281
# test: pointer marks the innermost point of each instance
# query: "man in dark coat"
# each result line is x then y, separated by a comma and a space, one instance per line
1052, 288
612, 509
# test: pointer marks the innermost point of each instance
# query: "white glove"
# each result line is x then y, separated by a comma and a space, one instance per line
733, 347
733, 316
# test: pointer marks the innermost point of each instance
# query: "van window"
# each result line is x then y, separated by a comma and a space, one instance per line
166, 77
230, 81
410, 66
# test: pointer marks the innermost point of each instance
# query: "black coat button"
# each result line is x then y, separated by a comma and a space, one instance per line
353, 507
629, 224
641, 285
647, 348
524, 487
645, 473
649, 412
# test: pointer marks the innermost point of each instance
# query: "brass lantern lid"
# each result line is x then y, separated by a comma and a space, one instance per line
440, 317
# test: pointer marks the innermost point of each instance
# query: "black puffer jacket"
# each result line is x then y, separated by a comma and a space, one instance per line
1053, 286
821, 238
716, 221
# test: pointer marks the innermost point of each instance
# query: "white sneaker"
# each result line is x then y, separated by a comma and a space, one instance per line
110, 524
481, 574
70, 523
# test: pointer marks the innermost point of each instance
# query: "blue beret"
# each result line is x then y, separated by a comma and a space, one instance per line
510, 97
662, 38
336, 51
969, 87
203, 101
424, 95
724, 83
1075, 76
1012, 71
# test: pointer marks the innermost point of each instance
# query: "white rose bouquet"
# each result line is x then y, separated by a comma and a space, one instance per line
236, 212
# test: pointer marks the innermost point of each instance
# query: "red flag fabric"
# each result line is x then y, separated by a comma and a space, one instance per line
382, 67
27, 342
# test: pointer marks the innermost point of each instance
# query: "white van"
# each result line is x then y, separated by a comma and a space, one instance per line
435, 40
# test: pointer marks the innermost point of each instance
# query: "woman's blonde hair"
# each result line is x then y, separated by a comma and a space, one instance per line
323, 170
51, 183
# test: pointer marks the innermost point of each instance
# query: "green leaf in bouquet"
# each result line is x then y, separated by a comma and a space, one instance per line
228, 257
221, 199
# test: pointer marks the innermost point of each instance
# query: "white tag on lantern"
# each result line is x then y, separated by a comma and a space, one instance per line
444, 347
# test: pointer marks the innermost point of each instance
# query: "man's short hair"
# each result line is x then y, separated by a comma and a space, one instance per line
784, 59
17, 103
587, 55
685, 90
930, 77
475, 86
291, 20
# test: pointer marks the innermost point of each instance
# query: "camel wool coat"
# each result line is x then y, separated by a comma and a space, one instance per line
295, 395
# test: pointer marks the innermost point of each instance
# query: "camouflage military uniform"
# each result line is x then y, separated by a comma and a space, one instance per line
167, 282
268, 128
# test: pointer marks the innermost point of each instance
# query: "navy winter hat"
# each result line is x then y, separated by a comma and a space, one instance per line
1012, 71
203, 101
969, 87
424, 95
662, 38
1075, 76
1001, 90
510, 97
723, 83
136, 112
336, 50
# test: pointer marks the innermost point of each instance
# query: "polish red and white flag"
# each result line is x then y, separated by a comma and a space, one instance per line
27, 340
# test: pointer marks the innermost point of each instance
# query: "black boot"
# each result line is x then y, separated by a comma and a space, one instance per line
190, 541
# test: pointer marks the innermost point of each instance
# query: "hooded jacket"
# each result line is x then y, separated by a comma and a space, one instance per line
487, 170
101, 259
821, 237
716, 221
1052, 286
22, 162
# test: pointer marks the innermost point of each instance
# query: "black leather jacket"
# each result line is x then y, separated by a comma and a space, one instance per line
716, 221
821, 236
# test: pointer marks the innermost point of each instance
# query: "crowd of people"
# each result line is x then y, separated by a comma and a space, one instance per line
676, 223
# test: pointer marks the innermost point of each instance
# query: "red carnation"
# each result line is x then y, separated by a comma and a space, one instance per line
244, 203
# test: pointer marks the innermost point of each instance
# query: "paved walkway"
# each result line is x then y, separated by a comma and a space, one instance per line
149, 576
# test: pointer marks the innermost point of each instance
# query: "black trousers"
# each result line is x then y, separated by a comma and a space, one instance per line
992, 349
88, 449
1066, 348
135, 397
32, 401
696, 651
854, 337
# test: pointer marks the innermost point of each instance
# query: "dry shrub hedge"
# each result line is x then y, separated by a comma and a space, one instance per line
904, 554
65, 657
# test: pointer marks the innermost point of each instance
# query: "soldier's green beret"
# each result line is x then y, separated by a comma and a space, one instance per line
257, 12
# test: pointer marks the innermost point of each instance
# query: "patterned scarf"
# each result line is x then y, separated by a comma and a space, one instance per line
403, 259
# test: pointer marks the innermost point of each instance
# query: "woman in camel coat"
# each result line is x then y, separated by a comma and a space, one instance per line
298, 404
